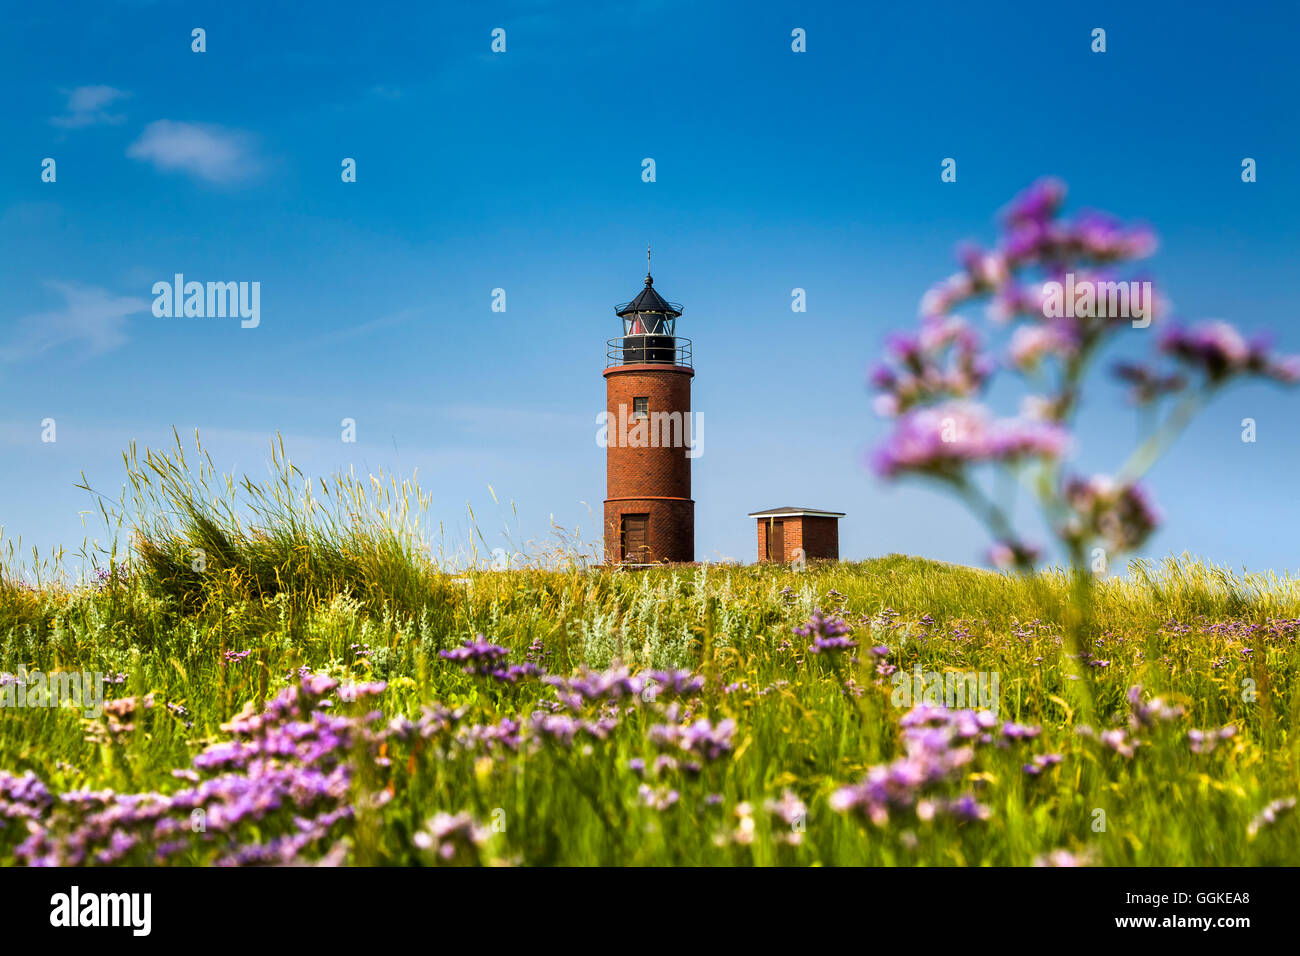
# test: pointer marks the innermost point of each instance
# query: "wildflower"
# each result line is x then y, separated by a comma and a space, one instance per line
792, 812
1119, 742
479, 655
451, 838
1013, 554
1119, 514
943, 361
1220, 352
1207, 741
350, 693
744, 833
1153, 712
1036, 204
935, 749
659, 799
1014, 731
1040, 762
941, 440
504, 734
1146, 383
829, 633
564, 729
1269, 815
675, 683
966, 807
1030, 344
1064, 858
707, 740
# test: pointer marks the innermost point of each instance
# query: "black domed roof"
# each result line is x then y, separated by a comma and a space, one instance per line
649, 301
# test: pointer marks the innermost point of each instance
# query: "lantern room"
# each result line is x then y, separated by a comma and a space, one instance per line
649, 330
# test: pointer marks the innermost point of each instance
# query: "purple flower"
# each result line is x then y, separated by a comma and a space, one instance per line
1064, 858
1036, 204
451, 838
1119, 514
943, 361
701, 737
1207, 741
942, 440
479, 655
1148, 715
1219, 351
1040, 762
1269, 815
828, 631
1014, 731
1013, 554
1147, 383
657, 799
1118, 741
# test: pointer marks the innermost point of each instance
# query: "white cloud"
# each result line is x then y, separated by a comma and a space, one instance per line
92, 318
208, 152
86, 107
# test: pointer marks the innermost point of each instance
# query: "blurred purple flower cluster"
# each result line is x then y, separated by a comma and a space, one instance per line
451, 838
482, 658
829, 633
1270, 814
1117, 514
619, 683
938, 743
272, 792
1147, 715
280, 786
1056, 284
701, 738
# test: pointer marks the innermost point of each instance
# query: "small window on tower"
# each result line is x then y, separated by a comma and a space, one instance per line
640, 408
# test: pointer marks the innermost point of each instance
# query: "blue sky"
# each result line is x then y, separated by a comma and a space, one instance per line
522, 171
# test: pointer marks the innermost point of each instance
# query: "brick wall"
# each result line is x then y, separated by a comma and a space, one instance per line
654, 479
672, 528
819, 537
791, 535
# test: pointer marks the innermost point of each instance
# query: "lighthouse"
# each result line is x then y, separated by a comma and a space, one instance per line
649, 514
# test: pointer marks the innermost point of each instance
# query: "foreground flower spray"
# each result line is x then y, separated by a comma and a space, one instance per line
932, 383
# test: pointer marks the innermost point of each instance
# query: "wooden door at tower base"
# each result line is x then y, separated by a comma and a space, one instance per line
634, 535
776, 541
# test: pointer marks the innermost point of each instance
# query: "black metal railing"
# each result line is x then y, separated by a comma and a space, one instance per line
649, 350
675, 306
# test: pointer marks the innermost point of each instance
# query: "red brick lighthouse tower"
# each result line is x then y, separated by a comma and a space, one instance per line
649, 514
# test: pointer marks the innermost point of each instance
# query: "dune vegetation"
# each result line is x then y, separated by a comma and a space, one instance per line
289, 675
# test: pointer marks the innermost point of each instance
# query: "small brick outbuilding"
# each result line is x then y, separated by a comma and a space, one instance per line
782, 531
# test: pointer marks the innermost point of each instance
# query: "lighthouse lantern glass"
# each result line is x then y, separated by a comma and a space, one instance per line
648, 323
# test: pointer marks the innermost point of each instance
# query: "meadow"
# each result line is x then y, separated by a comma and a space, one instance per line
315, 687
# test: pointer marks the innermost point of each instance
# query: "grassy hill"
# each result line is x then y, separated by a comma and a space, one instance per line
309, 698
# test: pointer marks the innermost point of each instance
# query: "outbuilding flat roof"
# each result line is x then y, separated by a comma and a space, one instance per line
790, 512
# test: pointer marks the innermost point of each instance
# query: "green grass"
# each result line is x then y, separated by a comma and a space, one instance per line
299, 588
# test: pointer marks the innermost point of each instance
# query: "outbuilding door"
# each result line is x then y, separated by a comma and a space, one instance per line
776, 541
